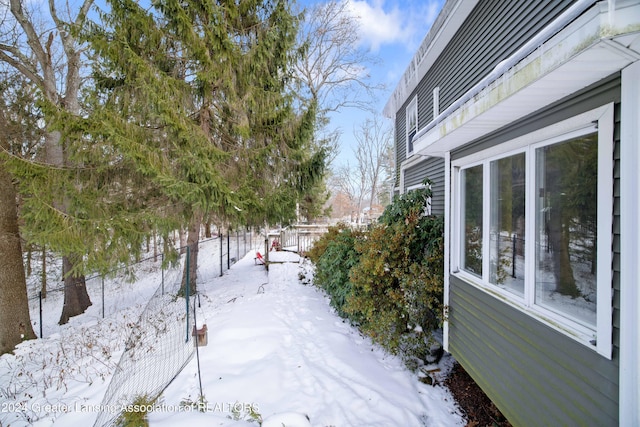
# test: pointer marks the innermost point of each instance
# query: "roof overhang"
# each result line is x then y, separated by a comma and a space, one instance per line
599, 43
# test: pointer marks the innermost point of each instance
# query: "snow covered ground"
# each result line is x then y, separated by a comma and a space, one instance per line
276, 353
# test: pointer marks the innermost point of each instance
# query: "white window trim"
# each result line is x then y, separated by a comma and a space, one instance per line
629, 247
412, 109
447, 247
577, 125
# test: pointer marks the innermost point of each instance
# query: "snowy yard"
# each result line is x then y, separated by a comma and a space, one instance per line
275, 349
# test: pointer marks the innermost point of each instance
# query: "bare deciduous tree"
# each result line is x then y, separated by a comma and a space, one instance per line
374, 140
373, 164
333, 69
352, 182
32, 48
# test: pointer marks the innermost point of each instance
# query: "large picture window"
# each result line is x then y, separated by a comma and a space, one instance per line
535, 224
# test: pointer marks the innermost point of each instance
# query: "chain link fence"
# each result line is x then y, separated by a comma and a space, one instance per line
163, 340
227, 249
157, 350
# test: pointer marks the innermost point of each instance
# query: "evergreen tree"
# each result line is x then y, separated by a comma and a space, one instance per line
192, 94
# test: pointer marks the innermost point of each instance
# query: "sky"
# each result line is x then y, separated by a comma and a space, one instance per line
275, 347
392, 30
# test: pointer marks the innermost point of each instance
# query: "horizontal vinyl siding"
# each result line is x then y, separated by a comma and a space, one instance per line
400, 145
534, 374
432, 168
494, 30
616, 236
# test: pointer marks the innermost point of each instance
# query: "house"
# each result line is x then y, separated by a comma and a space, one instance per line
525, 115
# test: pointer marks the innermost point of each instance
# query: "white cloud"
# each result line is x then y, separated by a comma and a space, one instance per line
381, 24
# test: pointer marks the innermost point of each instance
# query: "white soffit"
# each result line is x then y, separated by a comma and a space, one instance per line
572, 60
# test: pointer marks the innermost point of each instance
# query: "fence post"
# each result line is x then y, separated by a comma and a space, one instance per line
228, 250
162, 270
40, 298
220, 235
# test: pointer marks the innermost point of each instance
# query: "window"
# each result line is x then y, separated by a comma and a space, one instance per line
412, 124
566, 218
472, 211
534, 222
507, 227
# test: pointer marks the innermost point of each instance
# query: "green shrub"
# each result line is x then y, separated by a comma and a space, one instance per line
334, 255
396, 293
135, 413
390, 280
320, 245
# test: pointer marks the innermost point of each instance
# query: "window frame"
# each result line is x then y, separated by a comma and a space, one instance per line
600, 120
411, 110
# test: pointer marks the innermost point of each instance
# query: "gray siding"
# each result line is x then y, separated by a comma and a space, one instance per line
400, 144
535, 375
493, 31
432, 168
616, 237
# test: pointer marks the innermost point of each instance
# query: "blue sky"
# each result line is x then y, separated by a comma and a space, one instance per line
391, 30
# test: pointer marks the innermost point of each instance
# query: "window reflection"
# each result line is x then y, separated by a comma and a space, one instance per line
472, 241
566, 208
507, 228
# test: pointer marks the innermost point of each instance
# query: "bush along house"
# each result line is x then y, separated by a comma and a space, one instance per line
525, 115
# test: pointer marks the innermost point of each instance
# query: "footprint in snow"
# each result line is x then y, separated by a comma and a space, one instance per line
289, 419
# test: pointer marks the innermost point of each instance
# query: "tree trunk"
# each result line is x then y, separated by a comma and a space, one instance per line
15, 322
155, 246
207, 229
192, 243
183, 243
38, 66
558, 227
76, 298
29, 256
